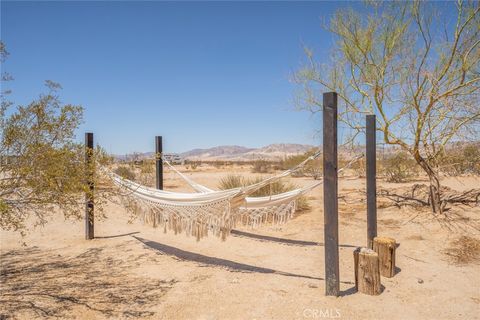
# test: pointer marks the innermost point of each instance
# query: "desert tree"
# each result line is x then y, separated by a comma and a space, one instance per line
413, 64
42, 166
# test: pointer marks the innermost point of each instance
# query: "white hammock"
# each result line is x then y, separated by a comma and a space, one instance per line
257, 202
251, 202
280, 206
217, 211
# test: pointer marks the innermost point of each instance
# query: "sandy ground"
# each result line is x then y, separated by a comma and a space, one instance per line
136, 271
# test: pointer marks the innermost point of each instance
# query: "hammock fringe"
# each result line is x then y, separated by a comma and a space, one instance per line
217, 220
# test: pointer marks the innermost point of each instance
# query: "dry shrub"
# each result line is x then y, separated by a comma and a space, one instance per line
125, 172
464, 250
399, 167
461, 160
291, 161
359, 167
235, 181
312, 168
261, 166
218, 164
142, 172
192, 165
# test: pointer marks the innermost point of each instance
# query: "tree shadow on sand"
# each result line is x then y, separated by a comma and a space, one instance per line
44, 284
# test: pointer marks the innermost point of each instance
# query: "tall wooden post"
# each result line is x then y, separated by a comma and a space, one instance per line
330, 193
371, 180
159, 163
89, 213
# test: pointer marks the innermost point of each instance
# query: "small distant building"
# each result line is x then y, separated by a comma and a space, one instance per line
173, 158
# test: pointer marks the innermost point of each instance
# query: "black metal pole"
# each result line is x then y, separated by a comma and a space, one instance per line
371, 180
330, 193
159, 163
89, 213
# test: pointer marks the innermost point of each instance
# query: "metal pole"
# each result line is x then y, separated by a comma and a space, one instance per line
371, 180
330, 193
89, 209
159, 163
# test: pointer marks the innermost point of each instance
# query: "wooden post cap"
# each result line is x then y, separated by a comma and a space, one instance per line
385, 240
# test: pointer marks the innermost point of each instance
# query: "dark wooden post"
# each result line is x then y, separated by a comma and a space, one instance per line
89, 213
330, 193
159, 163
371, 180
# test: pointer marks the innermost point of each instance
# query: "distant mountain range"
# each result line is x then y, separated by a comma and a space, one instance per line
270, 152
237, 153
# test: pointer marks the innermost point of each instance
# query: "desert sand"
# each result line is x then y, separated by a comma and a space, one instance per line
132, 270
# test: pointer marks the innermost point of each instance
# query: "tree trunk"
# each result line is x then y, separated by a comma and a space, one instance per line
434, 198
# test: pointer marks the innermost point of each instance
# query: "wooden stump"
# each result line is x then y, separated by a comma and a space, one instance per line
385, 247
367, 273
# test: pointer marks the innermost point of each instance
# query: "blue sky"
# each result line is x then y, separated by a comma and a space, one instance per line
200, 74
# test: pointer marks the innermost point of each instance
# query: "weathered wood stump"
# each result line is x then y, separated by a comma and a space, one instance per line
367, 273
385, 248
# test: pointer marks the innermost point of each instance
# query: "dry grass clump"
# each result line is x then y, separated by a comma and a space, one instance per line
231, 181
234, 181
464, 250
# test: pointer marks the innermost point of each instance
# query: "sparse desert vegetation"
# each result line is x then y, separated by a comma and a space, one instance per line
224, 220
165, 264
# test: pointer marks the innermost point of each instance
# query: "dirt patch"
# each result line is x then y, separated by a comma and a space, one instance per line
36, 283
417, 237
390, 223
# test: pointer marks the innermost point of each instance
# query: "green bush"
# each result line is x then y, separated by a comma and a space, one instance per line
235, 181
125, 172
148, 167
399, 167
